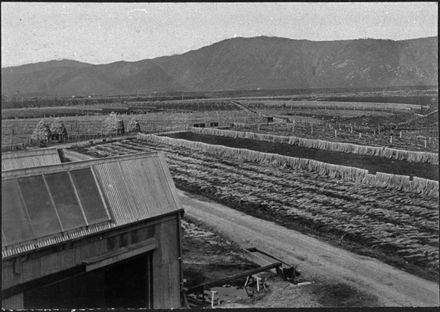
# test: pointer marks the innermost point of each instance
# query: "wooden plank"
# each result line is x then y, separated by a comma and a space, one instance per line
50, 263
160, 274
68, 258
31, 269
166, 277
233, 277
169, 241
119, 255
173, 300
180, 255
39, 282
9, 278
166, 234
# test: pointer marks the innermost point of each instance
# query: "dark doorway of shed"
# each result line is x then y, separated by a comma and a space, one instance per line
126, 284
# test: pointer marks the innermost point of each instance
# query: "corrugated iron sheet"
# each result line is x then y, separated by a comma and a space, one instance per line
136, 189
61, 237
29, 159
121, 202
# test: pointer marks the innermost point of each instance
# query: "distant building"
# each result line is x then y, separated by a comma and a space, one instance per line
91, 234
30, 158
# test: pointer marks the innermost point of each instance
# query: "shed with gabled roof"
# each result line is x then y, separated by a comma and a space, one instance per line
30, 158
93, 233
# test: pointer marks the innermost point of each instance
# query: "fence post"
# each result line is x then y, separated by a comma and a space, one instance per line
336, 133
11, 140
400, 134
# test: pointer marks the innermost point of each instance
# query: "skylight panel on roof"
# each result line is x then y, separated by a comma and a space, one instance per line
42, 214
89, 195
15, 224
65, 200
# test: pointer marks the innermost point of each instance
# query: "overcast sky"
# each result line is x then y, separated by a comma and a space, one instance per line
106, 32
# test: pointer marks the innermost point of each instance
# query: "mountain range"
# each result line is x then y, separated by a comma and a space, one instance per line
239, 64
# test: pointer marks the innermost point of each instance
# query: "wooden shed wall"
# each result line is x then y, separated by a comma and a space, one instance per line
166, 259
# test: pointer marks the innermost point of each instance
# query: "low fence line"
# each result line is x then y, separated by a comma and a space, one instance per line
352, 174
386, 152
70, 139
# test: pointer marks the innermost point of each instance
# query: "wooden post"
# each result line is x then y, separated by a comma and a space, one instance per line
336, 133
426, 143
391, 139
400, 134
11, 140
213, 292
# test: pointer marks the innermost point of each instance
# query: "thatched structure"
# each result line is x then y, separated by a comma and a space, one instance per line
41, 134
113, 125
133, 126
58, 130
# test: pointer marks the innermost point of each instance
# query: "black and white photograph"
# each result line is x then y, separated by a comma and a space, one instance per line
219, 155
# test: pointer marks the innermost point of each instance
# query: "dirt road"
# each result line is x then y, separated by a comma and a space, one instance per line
316, 259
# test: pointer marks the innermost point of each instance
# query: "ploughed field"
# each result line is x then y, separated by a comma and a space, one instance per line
398, 227
373, 164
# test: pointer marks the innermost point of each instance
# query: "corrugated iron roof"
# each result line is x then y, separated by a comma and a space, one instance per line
76, 199
30, 158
